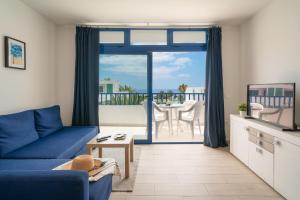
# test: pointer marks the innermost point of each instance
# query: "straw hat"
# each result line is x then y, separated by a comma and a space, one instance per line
86, 163
83, 162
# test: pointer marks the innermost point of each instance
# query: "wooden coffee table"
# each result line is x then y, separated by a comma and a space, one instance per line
127, 144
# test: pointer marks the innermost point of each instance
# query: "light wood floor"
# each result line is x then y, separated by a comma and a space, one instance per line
194, 172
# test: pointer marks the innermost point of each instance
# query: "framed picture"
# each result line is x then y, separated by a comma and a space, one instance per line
15, 53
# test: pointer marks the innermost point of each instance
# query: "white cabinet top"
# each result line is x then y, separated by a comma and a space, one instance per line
289, 136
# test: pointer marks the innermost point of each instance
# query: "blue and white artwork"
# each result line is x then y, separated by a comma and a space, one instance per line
15, 53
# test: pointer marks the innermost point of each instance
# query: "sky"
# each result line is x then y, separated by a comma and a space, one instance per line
170, 69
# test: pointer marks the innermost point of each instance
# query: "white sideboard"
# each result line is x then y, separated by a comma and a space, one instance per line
274, 155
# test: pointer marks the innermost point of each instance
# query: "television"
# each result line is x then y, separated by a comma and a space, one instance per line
272, 103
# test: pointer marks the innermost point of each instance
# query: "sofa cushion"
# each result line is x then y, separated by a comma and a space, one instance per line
16, 131
64, 143
47, 120
30, 164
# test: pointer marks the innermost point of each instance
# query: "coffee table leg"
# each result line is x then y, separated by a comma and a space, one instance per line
127, 161
131, 150
89, 150
100, 152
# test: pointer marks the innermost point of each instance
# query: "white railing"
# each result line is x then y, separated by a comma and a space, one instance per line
128, 115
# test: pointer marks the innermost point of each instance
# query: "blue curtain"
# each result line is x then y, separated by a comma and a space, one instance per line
214, 133
85, 108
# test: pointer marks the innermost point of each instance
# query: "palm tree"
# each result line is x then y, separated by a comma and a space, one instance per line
126, 88
182, 88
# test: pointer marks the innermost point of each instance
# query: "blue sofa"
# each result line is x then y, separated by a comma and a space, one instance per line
34, 142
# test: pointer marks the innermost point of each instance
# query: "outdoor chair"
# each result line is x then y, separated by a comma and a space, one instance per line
159, 116
189, 116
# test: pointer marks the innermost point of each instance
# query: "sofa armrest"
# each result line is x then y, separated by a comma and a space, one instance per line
44, 185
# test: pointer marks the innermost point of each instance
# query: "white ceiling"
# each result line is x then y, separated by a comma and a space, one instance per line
132, 11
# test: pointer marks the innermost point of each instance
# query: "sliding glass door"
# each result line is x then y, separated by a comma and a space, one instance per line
123, 94
147, 78
147, 95
178, 96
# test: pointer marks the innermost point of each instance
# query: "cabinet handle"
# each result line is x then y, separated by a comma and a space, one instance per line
260, 143
277, 142
260, 135
247, 129
258, 150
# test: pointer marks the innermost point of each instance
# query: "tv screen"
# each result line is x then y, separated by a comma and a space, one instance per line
272, 103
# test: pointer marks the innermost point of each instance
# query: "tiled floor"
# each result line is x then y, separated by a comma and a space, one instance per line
194, 172
179, 134
184, 134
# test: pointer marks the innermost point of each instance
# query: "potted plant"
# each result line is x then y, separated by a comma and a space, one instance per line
243, 109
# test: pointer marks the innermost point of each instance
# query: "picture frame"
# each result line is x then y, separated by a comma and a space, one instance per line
15, 53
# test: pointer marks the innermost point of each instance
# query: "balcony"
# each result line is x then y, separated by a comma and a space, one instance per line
126, 112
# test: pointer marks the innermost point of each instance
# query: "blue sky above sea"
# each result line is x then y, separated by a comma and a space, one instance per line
170, 69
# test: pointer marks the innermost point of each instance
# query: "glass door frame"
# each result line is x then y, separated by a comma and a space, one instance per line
127, 49
149, 92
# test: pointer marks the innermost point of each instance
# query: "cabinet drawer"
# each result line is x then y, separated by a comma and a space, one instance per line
261, 162
261, 143
260, 134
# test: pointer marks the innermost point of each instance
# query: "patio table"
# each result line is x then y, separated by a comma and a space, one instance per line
171, 107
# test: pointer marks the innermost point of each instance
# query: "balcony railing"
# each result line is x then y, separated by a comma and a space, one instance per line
273, 101
138, 98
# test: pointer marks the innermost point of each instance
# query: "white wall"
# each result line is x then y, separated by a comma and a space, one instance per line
65, 54
270, 46
66, 58
34, 87
231, 71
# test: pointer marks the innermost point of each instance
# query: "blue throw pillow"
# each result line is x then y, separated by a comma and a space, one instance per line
16, 130
47, 120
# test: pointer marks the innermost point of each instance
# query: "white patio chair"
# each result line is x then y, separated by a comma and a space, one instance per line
190, 116
159, 116
186, 105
